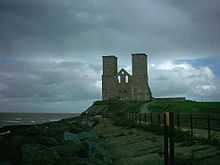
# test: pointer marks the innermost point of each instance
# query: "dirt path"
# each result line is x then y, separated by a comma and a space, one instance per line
131, 146
138, 147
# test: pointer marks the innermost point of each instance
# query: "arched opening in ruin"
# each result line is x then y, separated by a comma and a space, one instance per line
123, 76
119, 79
126, 79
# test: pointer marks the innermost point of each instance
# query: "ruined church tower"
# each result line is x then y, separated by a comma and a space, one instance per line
109, 77
123, 86
140, 87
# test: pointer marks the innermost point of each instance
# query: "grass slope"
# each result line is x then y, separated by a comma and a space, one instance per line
186, 106
160, 106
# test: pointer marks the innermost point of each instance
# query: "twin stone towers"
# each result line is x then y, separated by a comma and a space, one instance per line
123, 86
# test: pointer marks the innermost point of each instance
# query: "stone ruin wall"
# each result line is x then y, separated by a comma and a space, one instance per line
123, 86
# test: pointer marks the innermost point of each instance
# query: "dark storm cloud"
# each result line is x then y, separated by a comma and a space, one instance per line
50, 50
65, 27
48, 81
204, 16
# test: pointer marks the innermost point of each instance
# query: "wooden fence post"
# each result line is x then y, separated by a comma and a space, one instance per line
159, 121
178, 120
136, 120
140, 118
168, 138
191, 125
171, 136
145, 117
134, 116
104, 116
151, 118
166, 149
209, 128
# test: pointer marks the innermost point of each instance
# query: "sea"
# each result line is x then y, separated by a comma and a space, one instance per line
32, 118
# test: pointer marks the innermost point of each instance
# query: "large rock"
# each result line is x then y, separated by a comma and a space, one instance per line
68, 136
87, 135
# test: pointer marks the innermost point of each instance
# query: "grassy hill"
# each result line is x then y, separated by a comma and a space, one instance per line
154, 106
132, 142
118, 111
185, 106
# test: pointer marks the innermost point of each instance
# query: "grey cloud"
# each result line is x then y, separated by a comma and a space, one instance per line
184, 80
64, 27
50, 82
51, 50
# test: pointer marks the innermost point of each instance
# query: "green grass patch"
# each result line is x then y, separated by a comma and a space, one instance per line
184, 106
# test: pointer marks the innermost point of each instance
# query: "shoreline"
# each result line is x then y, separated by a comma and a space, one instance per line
41, 112
36, 124
25, 120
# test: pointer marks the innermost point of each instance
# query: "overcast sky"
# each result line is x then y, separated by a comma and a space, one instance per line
50, 50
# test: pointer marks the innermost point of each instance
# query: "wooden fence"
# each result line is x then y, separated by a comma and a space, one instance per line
188, 121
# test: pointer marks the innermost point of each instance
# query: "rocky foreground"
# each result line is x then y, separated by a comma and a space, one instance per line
69, 141
105, 137
92, 142
140, 146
